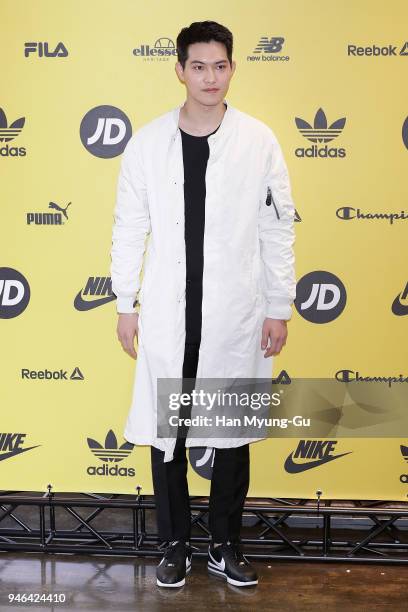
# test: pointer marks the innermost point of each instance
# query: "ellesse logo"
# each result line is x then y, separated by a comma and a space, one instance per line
11, 445
8, 133
162, 49
110, 453
95, 286
320, 133
105, 131
312, 454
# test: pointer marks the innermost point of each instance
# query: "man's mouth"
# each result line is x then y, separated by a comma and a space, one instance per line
211, 89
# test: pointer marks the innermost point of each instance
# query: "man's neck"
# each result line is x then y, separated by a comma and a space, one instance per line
200, 120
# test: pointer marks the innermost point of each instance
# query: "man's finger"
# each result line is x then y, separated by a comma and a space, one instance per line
264, 340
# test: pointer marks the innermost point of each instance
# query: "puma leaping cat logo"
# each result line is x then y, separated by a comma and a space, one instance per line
58, 207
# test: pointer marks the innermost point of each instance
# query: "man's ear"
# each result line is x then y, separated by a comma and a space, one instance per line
179, 71
233, 66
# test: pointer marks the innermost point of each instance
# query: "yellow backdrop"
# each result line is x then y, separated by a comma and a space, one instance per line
301, 67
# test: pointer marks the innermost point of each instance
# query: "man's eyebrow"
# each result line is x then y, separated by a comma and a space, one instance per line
217, 62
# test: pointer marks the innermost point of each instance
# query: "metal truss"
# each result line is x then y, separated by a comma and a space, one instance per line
348, 531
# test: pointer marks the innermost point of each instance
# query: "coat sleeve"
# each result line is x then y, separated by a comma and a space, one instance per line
277, 235
130, 228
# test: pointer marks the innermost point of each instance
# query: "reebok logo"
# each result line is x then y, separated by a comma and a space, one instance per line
110, 453
95, 286
314, 453
11, 445
8, 133
51, 374
377, 51
320, 132
397, 307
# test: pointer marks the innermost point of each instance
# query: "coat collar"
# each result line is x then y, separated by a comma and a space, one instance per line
224, 126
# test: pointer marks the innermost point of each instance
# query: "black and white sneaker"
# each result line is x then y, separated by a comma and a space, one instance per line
228, 561
175, 564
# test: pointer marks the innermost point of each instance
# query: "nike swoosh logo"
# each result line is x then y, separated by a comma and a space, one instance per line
398, 308
219, 564
81, 304
16, 452
294, 468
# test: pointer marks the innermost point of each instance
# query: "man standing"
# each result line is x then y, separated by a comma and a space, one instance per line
208, 185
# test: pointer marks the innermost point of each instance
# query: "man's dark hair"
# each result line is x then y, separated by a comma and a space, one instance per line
203, 31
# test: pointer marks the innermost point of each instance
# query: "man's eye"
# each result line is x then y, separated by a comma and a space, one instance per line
222, 66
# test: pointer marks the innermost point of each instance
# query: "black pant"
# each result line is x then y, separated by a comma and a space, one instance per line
229, 483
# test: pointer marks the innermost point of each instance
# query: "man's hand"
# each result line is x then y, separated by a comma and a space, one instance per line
126, 330
274, 330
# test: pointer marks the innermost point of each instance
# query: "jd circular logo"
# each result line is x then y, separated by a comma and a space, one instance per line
202, 460
405, 132
14, 293
320, 297
105, 131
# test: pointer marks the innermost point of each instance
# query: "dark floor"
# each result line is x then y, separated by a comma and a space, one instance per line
121, 583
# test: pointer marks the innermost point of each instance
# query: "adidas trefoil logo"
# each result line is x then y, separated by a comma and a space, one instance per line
11, 132
320, 131
110, 453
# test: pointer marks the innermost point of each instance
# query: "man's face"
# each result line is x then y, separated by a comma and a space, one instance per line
207, 72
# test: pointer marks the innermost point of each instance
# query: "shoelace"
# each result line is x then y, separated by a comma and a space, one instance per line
237, 553
170, 551
240, 557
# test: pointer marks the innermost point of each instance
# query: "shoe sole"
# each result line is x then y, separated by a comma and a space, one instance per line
181, 582
218, 572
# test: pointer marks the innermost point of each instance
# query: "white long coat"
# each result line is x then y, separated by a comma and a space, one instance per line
248, 258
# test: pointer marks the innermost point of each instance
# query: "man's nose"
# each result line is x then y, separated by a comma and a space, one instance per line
210, 75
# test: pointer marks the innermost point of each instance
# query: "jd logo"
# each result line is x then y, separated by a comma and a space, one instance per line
105, 131
14, 293
405, 132
320, 297
202, 460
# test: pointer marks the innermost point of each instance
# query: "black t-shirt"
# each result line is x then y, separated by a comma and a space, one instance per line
195, 156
